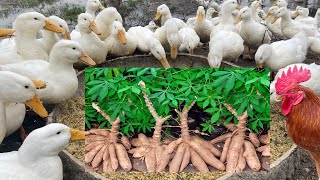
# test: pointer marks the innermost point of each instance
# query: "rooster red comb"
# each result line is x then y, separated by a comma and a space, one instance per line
294, 76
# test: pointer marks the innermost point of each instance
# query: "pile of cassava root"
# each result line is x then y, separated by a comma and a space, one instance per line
103, 148
238, 151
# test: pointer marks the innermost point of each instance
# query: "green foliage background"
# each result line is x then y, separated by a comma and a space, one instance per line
117, 90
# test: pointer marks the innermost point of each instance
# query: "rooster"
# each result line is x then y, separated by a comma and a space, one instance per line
301, 106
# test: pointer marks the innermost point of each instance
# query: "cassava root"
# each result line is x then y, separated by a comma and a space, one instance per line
102, 147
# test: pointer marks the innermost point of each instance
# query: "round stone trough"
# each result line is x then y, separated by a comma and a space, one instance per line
282, 168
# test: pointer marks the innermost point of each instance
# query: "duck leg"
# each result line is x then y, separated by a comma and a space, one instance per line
247, 55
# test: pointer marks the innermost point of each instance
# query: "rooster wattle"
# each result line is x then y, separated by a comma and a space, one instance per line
301, 106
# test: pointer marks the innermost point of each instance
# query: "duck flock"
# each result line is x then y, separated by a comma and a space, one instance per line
37, 56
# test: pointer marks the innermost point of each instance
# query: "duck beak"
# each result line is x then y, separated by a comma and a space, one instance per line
238, 7
36, 105
174, 52
191, 51
76, 134
158, 16
237, 20
200, 17
51, 27
93, 27
66, 36
279, 98
101, 7
275, 4
39, 84
259, 65
86, 59
274, 19
296, 13
269, 14
157, 26
6, 32
122, 37
165, 62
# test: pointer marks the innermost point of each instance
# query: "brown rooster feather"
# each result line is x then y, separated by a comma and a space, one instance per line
301, 106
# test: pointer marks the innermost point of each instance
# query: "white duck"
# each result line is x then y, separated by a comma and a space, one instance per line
37, 158
50, 38
173, 37
255, 6
140, 33
314, 44
164, 13
211, 13
252, 32
312, 83
168, 35
224, 45
157, 50
16, 90
152, 26
284, 3
27, 25
303, 16
89, 40
105, 19
282, 53
93, 6
290, 28
215, 5
147, 43
202, 26
120, 43
189, 39
275, 28
226, 17
204, 3
61, 78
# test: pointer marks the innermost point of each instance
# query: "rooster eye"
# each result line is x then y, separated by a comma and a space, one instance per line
293, 90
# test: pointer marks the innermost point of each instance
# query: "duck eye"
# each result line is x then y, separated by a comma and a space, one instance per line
58, 132
74, 48
85, 19
35, 18
60, 26
27, 87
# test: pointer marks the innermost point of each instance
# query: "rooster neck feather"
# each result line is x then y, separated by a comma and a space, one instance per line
303, 123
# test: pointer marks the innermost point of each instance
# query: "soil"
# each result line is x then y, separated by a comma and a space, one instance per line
280, 142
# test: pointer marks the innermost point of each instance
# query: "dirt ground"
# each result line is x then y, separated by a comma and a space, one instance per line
197, 60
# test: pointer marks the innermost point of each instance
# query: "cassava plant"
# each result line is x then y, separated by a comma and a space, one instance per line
117, 90
235, 98
182, 151
152, 150
102, 147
